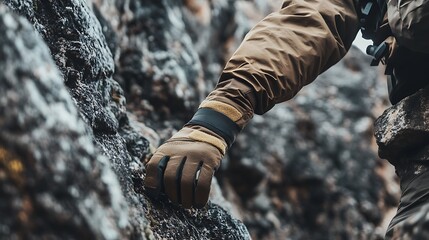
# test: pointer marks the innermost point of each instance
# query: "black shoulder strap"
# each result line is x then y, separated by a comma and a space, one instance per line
371, 14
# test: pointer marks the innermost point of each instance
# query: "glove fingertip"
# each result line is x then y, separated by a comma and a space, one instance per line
203, 185
154, 181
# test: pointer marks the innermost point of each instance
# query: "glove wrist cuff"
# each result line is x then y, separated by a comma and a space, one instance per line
216, 122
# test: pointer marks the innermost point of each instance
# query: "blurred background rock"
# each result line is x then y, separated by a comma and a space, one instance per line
131, 73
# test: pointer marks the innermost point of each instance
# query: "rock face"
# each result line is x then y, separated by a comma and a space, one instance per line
88, 88
48, 161
160, 47
71, 157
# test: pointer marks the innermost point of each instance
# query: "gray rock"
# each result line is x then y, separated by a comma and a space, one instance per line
54, 182
402, 130
115, 141
155, 59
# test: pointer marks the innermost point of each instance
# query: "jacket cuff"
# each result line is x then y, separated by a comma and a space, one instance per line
216, 122
233, 99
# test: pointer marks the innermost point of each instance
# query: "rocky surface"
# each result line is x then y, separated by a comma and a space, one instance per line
48, 162
85, 101
160, 49
402, 131
100, 137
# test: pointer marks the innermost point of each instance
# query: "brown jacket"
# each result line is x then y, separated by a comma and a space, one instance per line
287, 50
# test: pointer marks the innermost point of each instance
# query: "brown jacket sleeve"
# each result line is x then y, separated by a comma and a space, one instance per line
284, 52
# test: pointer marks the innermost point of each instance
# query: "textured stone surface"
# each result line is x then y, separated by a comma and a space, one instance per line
157, 64
78, 46
168, 54
53, 181
402, 131
77, 43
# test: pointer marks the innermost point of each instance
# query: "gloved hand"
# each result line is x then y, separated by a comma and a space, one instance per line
184, 165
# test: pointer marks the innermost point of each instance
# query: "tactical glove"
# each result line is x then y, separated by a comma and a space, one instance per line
184, 165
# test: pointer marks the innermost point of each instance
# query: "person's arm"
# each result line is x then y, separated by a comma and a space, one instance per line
285, 51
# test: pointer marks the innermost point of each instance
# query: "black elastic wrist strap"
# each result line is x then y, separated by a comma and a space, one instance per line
216, 122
